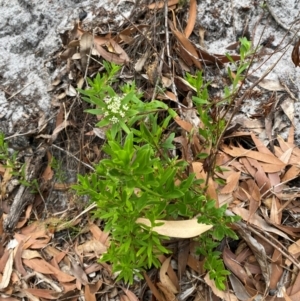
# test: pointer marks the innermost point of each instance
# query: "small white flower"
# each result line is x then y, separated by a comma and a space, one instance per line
114, 106
114, 119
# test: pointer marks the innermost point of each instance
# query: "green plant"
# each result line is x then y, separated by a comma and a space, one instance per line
139, 179
9, 160
15, 168
60, 173
210, 240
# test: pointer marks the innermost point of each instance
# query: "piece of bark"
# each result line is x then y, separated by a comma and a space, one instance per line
24, 195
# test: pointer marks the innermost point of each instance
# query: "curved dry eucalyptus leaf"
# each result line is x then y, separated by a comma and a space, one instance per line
296, 54
7, 271
165, 279
258, 251
180, 229
86, 43
71, 91
224, 295
238, 288
271, 85
258, 221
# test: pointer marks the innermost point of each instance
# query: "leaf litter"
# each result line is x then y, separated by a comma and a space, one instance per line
48, 258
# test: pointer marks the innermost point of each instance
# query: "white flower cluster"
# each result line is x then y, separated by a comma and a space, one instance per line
115, 107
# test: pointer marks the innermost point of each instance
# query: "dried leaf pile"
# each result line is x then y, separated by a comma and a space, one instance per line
51, 253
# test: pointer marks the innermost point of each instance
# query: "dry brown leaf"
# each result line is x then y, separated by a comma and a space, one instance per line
258, 251
161, 4
169, 296
275, 182
58, 129
36, 240
43, 293
92, 246
254, 196
259, 156
290, 298
201, 174
184, 124
167, 82
30, 296
69, 288
171, 273
296, 54
292, 173
124, 298
276, 268
223, 295
256, 220
188, 46
201, 37
131, 296
7, 176
30, 254
258, 174
88, 295
48, 172
236, 268
96, 231
260, 146
23, 221
271, 85
183, 84
138, 67
272, 168
191, 18
126, 39
116, 48
238, 288
95, 287
154, 289
232, 182
79, 273
196, 265
183, 255
294, 249
18, 259
86, 43
253, 190
3, 260
288, 108
180, 229
285, 157
111, 57
276, 213
7, 271
44, 267
185, 59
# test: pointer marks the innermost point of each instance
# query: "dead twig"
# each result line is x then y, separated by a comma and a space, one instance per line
169, 55
12, 96
74, 157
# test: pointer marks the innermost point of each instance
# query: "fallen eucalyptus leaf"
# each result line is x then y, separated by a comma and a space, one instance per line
180, 229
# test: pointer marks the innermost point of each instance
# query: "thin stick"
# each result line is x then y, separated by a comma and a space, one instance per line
169, 55
19, 91
74, 157
88, 59
286, 255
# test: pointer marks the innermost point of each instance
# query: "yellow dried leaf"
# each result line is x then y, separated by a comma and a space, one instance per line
181, 229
